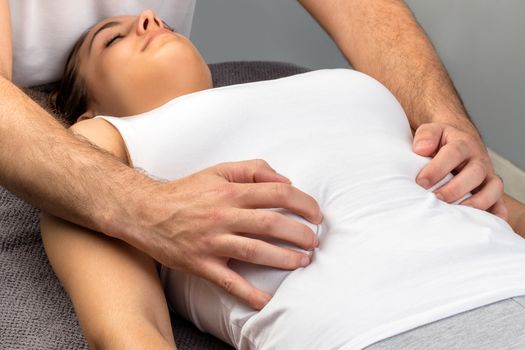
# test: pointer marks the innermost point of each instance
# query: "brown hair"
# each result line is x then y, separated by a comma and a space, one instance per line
70, 99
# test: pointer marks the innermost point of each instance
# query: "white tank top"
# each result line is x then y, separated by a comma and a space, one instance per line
392, 256
44, 31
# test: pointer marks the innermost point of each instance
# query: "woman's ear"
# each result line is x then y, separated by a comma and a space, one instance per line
86, 115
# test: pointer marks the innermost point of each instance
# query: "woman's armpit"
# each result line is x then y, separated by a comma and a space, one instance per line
104, 135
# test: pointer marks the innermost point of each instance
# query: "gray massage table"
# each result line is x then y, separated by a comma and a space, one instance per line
35, 311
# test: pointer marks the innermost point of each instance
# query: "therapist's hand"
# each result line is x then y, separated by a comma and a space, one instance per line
214, 208
465, 155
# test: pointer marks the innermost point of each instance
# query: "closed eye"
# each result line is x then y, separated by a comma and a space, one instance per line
112, 39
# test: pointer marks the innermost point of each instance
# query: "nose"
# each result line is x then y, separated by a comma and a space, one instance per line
147, 21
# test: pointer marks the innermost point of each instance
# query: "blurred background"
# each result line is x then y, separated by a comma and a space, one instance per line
481, 43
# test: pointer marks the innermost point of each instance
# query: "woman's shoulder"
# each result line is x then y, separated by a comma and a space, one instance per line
102, 134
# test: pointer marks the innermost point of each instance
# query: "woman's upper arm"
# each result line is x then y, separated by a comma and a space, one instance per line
6, 46
53, 229
516, 214
104, 135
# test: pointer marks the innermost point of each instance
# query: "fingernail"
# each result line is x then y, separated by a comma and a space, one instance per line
423, 183
440, 196
316, 242
305, 260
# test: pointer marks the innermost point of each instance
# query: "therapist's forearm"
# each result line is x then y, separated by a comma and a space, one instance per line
382, 39
46, 165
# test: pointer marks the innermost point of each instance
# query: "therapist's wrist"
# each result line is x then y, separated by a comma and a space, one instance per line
440, 104
127, 211
459, 120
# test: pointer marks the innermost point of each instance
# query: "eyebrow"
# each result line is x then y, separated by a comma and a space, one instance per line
105, 26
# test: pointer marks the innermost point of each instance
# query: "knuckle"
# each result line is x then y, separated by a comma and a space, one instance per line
422, 134
460, 147
249, 250
479, 168
281, 191
223, 165
428, 133
193, 265
206, 243
267, 221
461, 134
308, 236
215, 215
450, 193
431, 173
295, 259
423, 128
228, 190
227, 283
484, 154
260, 163
291, 260
308, 208
480, 203
498, 184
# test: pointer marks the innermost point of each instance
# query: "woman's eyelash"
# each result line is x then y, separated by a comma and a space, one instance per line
166, 25
112, 39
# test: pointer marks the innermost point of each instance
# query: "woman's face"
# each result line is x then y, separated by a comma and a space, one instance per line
134, 64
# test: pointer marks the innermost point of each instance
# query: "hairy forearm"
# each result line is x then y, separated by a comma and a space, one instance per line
46, 165
382, 39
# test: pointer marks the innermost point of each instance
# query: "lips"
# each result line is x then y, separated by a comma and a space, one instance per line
152, 35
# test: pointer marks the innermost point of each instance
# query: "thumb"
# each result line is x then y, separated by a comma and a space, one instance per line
249, 171
427, 139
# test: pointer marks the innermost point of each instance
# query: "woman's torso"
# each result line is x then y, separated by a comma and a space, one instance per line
44, 31
392, 256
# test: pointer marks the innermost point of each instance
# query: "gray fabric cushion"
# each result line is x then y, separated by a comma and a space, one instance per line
35, 311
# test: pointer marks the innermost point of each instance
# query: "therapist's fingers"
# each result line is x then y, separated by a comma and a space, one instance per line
257, 185
500, 209
218, 272
470, 177
427, 139
271, 224
460, 150
261, 253
448, 158
255, 170
278, 195
487, 196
